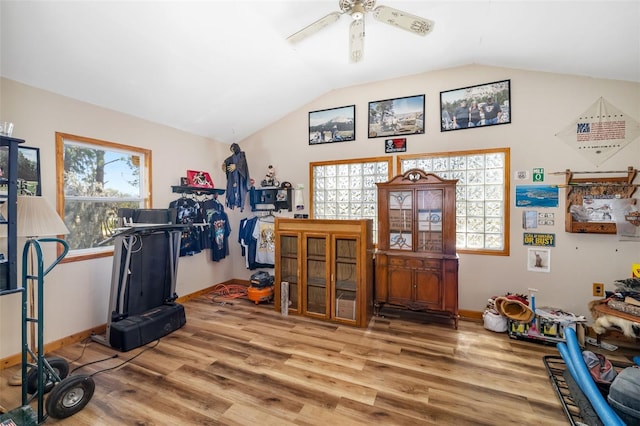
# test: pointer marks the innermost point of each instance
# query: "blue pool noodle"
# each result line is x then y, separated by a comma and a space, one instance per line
572, 353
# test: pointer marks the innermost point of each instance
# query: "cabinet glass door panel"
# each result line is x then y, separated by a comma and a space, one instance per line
289, 267
345, 274
429, 206
316, 279
400, 220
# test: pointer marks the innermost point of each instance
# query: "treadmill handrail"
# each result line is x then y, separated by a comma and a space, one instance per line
146, 228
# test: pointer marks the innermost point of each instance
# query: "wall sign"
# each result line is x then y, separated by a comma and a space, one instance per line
540, 240
538, 174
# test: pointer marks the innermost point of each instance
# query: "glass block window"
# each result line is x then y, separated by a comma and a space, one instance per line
482, 195
347, 189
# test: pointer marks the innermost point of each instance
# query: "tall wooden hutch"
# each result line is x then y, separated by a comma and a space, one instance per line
416, 261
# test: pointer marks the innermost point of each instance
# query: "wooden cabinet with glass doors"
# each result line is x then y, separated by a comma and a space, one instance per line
328, 265
416, 261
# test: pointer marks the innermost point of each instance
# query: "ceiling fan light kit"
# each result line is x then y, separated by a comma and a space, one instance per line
357, 9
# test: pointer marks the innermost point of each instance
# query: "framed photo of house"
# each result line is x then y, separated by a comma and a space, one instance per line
476, 106
395, 117
28, 170
332, 125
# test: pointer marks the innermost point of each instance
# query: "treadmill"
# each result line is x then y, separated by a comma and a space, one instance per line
142, 306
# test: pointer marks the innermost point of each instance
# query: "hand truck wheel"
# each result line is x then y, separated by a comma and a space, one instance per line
59, 366
70, 396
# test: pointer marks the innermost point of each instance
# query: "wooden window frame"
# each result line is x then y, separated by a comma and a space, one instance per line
60, 184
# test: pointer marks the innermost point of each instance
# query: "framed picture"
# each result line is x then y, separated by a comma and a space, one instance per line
332, 125
530, 196
539, 260
395, 145
28, 170
476, 106
199, 179
395, 117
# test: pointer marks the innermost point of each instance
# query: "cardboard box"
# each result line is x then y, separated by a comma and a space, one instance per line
346, 306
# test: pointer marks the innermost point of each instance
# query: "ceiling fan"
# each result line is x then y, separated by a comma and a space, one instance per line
357, 9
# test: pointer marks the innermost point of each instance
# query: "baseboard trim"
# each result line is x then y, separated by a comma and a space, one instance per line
475, 316
16, 359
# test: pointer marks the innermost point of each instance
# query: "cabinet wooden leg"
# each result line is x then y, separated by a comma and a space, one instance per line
376, 309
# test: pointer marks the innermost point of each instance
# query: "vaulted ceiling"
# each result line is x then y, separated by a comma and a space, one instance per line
224, 69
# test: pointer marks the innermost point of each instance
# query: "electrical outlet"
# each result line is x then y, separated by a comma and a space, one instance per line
598, 289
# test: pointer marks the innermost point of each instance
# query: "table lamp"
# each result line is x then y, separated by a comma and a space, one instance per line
39, 222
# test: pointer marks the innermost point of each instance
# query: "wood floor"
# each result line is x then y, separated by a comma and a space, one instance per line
242, 364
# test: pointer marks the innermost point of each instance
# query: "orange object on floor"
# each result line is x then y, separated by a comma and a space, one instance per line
258, 295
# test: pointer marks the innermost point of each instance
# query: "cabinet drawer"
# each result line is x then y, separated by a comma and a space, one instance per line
410, 262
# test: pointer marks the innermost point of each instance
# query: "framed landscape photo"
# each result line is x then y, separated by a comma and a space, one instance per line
395, 117
476, 106
332, 125
28, 170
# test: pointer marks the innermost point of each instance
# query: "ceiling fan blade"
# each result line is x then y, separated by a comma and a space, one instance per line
314, 27
404, 20
356, 40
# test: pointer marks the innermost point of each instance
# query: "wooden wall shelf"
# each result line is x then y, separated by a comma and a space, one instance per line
594, 187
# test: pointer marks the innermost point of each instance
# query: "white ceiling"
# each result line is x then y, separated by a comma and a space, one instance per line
223, 69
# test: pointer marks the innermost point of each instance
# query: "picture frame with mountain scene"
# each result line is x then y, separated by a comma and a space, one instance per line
332, 125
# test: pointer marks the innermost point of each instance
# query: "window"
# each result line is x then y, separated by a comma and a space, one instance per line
482, 195
94, 179
347, 189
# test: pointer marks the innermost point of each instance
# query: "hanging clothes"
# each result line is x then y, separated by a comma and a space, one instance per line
265, 236
249, 243
189, 212
219, 231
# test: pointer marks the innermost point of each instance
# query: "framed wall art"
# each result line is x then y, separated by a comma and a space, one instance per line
199, 179
539, 260
476, 106
395, 117
395, 145
332, 125
28, 170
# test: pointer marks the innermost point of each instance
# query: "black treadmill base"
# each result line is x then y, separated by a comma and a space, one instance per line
138, 330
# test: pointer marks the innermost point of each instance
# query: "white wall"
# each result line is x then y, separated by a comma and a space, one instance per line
77, 293
542, 104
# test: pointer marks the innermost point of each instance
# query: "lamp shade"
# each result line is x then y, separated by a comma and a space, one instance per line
36, 218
